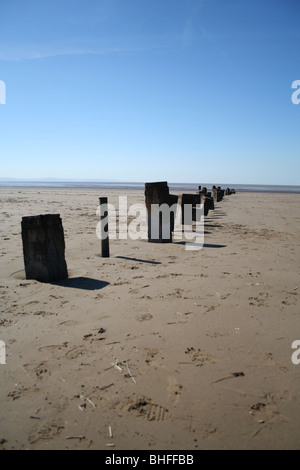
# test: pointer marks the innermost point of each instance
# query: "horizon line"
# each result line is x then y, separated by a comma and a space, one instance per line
106, 181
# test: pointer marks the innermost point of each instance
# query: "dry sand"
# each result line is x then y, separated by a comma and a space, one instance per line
178, 324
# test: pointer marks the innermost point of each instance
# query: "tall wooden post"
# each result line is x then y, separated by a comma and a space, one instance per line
104, 227
157, 200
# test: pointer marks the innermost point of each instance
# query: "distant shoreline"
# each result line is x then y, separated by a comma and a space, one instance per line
140, 186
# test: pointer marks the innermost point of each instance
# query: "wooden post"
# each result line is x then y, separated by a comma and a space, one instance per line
173, 200
44, 248
220, 193
104, 227
159, 224
208, 204
193, 200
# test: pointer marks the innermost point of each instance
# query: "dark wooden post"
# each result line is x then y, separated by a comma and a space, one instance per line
104, 227
173, 201
208, 204
44, 248
220, 193
159, 223
193, 200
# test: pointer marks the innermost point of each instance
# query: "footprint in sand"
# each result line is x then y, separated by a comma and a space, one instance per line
151, 353
260, 300
144, 317
145, 408
198, 356
75, 352
5, 322
174, 390
21, 392
41, 370
150, 357
46, 432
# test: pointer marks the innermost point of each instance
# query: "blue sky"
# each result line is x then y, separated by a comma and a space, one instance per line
142, 90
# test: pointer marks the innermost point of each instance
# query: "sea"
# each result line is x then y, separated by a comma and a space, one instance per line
140, 186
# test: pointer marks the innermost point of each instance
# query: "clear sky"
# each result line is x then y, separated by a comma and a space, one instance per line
143, 90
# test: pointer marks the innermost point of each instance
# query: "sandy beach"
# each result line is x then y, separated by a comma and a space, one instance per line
156, 347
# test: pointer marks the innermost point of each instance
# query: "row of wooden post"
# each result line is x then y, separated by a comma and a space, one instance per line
43, 235
158, 193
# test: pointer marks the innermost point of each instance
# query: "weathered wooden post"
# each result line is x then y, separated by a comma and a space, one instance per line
220, 193
208, 205
189, 200
214, 193
207, 199
104, 227
44, 248
173, 200
158, 208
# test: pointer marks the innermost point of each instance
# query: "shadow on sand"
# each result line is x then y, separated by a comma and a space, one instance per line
138, 260
84, 283
200, 245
